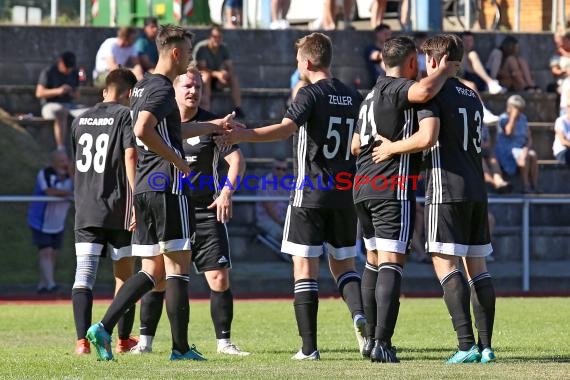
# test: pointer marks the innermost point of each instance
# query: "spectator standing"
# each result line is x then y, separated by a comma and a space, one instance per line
145, 45
473, 69
328, 19
57, 90
47, 219
216, 67
234, 14
373, 52
279, 9
562, 139
271, 215
509, 68
377, 10
514, 145
117, 52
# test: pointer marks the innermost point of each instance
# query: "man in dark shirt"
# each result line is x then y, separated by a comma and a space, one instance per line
373, 52
385, 201
104, 146
214, 61
162, 205
212, 203
322, 118
57, 90
456, 203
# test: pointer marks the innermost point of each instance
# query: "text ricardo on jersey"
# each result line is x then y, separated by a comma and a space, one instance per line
160, 181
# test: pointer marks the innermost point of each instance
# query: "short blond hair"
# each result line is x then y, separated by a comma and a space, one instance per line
317, 48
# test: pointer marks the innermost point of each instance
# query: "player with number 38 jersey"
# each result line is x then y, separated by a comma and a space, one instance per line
100, 137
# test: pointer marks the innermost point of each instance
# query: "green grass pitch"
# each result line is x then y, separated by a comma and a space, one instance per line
531, 341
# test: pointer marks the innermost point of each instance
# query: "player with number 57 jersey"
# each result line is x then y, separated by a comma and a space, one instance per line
326, 113
322, 119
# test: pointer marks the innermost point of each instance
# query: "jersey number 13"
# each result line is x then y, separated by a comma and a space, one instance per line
476, 140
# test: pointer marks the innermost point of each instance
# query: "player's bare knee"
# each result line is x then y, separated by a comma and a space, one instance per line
341, 266
475, 266
218, 280
305, 267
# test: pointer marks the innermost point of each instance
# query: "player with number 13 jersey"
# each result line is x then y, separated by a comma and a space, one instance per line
451, 179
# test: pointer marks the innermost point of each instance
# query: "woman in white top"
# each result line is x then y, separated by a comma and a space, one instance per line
562, 139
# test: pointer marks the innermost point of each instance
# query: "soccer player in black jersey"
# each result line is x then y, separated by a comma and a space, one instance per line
384, 195
213, 208
322, 118
103, 145
162, 234
456, 204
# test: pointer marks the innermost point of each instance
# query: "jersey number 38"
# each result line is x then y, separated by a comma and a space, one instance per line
92, 154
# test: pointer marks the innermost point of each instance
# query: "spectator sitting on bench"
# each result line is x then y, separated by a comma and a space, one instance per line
117, 52
473, 69
509, 68
491, 168
216, 67
514, 145
271, 214
57, 90
146, 44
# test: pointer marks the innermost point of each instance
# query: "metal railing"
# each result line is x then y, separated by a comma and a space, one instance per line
525, 201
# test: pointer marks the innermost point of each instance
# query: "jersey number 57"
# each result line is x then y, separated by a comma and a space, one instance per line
334, 139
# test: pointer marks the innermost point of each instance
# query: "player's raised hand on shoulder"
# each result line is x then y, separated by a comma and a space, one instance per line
223, 206
381, 151
450, 67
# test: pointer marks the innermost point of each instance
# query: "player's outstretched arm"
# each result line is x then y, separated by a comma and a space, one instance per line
423, 139
274, 132
201, 128
145, 130
429, 86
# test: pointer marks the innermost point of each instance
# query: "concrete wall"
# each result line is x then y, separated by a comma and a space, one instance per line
263, 58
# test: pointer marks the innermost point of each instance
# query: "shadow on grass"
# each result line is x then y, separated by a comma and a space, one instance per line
534, 359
